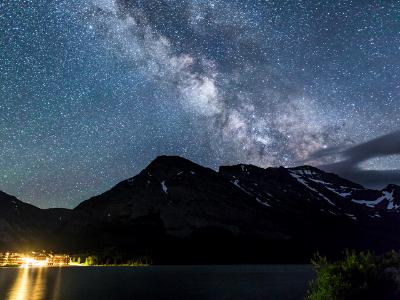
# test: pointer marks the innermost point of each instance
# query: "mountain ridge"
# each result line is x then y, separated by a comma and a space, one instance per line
174, 209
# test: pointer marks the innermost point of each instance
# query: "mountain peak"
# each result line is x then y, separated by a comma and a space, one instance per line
5, 195
164, 167
306, 169
167, 163
7, 199
169, 158
391, 187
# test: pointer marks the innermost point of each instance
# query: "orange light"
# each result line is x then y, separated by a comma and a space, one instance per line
31, 262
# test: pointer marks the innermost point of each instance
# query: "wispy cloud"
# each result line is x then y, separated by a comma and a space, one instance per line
351, 158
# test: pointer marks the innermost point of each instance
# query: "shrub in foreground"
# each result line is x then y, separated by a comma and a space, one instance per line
357, 276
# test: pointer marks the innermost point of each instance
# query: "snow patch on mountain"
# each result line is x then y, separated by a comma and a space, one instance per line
302, 181
236, 182
329, 187
369, 203
263, 202
351, 216
388, 196
164, 187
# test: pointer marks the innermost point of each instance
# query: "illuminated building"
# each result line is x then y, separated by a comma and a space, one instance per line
34, 259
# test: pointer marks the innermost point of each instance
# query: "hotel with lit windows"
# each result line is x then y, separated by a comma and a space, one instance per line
34, 259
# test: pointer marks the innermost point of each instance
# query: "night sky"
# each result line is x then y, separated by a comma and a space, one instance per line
91, 91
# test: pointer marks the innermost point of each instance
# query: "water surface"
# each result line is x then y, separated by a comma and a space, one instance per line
250, 282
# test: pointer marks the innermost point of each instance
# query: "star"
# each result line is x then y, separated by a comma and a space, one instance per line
92, 91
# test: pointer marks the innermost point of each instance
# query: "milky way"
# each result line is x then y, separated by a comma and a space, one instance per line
92, 91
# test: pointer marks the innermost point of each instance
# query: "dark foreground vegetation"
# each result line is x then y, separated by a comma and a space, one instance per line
357, 276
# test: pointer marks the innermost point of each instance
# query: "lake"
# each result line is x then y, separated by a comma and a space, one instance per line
241, 282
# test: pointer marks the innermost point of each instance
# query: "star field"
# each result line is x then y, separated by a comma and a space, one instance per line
92, 91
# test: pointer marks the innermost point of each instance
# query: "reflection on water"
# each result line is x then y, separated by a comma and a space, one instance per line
252, 282
19, 290
33, 284
56, 288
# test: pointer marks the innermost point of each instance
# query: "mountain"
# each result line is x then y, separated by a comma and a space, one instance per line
23, 225
180, 212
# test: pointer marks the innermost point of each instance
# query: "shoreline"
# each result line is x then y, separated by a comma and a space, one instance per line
155, 265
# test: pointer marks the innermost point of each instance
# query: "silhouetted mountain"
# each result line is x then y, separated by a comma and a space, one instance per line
180, 212
23, 225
